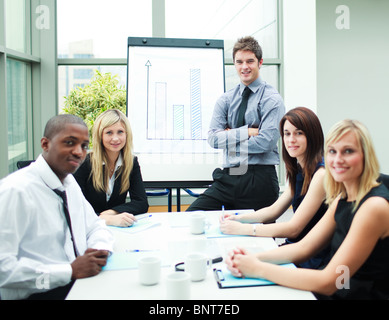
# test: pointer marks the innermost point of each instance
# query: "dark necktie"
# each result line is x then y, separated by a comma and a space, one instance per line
243, 107
62, 194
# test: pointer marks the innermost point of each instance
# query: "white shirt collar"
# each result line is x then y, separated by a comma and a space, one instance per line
48, 176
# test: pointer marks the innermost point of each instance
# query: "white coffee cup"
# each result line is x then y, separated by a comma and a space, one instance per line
178, 286
149, 270
197, 264
197, 222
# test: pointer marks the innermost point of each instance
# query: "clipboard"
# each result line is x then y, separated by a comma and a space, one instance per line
225, 279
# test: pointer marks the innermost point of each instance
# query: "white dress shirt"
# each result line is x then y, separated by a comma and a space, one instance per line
35, 246
111, 181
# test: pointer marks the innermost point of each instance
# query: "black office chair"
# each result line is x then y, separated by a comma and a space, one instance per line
161, 193
24, 163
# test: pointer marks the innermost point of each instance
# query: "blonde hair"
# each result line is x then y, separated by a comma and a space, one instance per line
98, 156
370, 173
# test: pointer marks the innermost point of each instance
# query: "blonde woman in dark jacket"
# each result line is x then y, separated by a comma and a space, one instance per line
111, 172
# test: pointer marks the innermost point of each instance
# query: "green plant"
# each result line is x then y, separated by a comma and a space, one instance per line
101, 94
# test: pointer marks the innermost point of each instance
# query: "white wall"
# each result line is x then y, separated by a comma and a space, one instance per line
299, 53
339, 70
352, 67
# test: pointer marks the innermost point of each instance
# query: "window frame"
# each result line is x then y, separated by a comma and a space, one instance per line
10, 54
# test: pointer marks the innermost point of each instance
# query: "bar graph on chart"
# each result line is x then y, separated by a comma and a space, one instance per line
172, 92
195, 103
186, 119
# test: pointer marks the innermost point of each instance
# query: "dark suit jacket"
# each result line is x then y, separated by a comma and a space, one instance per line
98, 199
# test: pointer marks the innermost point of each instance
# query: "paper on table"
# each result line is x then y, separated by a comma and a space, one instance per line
129, 260
214, 232
138, 226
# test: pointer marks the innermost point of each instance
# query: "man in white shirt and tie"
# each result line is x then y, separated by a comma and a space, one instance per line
40, 254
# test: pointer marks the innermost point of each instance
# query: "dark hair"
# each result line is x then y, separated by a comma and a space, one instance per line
58, 123
247, 44
306, 120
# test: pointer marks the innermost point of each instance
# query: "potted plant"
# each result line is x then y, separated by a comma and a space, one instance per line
101, 94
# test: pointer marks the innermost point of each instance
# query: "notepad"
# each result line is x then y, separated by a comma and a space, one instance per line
129, 260
138, 226
225, 279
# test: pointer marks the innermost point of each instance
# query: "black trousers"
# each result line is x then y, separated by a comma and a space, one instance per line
257, 188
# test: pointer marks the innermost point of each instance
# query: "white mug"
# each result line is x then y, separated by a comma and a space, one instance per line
197, 264
197, 222
149, 270
178, 286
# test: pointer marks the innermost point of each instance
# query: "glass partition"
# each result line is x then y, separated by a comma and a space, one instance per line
17, 100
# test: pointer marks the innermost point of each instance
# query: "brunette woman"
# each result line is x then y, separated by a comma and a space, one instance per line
302, 151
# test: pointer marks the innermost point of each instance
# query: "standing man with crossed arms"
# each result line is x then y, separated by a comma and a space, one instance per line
245, 125
46, 241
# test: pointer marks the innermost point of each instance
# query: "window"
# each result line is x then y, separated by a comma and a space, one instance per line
85, 73
100, 27
16, 25
17, 101
109, 26
71, 77
225, 19
16, 60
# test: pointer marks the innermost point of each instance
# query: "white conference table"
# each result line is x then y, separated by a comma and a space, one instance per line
171, 239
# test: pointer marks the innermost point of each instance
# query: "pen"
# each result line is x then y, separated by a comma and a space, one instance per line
138, 250
150, 215
222, 213
218, 276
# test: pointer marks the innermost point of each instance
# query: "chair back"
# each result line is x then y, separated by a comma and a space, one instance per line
23, 163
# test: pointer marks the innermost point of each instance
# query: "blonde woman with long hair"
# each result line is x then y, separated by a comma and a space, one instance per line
111, 171
356, 226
